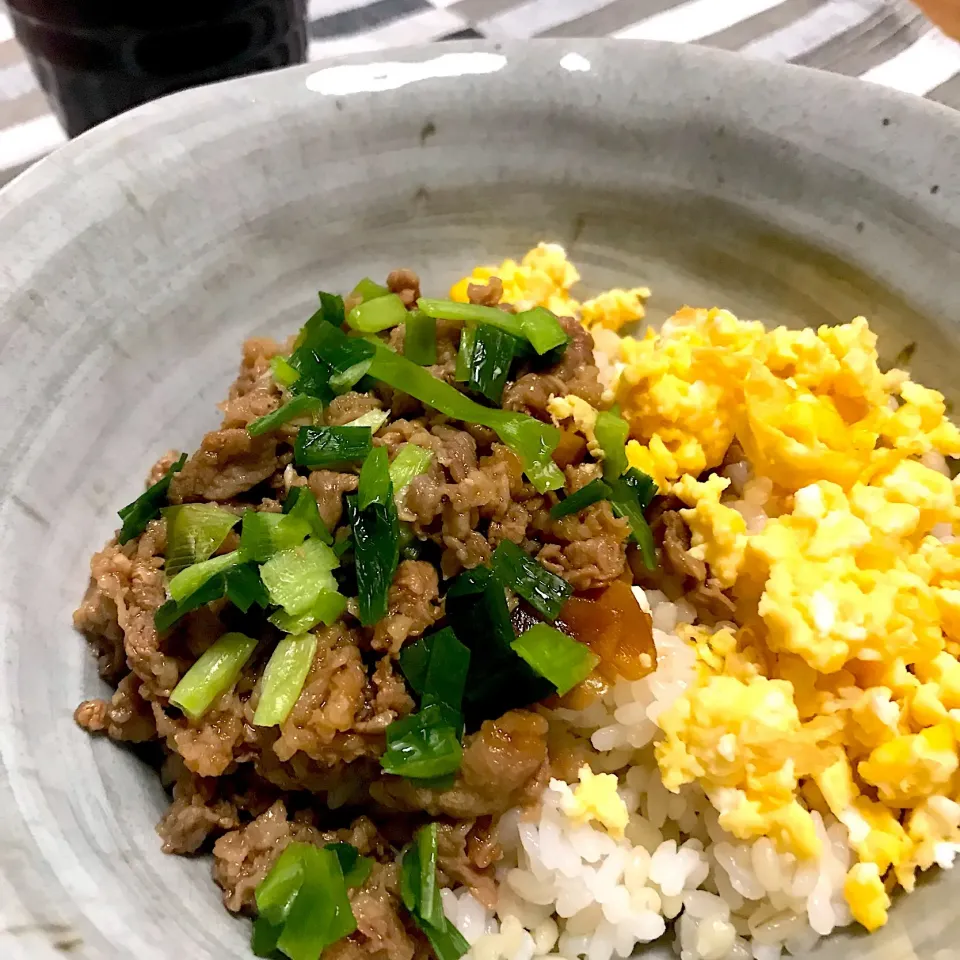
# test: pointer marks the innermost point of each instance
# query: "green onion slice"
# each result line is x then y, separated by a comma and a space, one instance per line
355, 869
136, 515
301, 508
347, 379
283, 373
411, 460
424, 745
376, 547
540, 327
215, 672
593, 492
192, 578
532, 441
543, 590
373, 419
320, 913
294, 578
264, 534
284, 677
372, 316
461, 371
194, 532
375, 485
560, 659
420, 893
493, 352
326, 609
631, 495
420, 339
241, 584
367, 289
498, 679
318, 447
299, 406
324, 350
611, 431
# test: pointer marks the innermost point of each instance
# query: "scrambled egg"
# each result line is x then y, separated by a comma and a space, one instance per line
595, 797
837, 688
544, 277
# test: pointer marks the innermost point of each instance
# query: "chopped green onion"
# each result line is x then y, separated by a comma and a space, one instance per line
630, 495
283, 373
318, 447
326, 609
498, 679
298, 406
376, 547
542, 329
592, 492
490, 362
420, 893
355, 869
372, 316
240, 584
346, 380
275, 893
217, 670
372, 419
411, 460
538, 326
644, 487
611, 431
461, 372
374, 485
244, 588
420, 339
368, 289
323, 351
533, 442
562, 660
146, 507
295, 578
301, 507
264, 534
320, 913
194, 532
436, 667
192, 578
263, 941
331, 308
283, 678
424, 745
543, 590
171, 611
259, 536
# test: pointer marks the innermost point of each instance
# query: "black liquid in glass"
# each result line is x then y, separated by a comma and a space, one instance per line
97, 58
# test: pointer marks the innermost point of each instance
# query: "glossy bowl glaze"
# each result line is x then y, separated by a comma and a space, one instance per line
134, 261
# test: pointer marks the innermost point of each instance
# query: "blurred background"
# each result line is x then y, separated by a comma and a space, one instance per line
66, 65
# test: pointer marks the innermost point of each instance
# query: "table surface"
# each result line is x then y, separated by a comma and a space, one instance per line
882, 41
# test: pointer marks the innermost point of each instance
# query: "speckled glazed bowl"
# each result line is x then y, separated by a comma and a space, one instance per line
134, 261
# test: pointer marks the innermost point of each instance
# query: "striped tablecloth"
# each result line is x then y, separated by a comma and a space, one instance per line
883, 41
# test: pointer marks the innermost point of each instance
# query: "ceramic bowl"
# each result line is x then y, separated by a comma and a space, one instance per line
134, 260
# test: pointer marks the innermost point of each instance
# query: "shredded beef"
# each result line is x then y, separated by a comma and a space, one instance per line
228, 463
406, 284
413, 605
248, 790
486, 294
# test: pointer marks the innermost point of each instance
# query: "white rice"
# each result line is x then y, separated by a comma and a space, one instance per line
570, 890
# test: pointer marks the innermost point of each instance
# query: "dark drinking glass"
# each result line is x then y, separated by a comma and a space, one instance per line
97, 58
